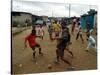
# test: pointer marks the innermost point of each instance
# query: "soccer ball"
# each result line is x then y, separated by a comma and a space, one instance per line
49, 66
20, 65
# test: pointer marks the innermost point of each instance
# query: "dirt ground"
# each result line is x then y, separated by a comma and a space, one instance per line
22, 62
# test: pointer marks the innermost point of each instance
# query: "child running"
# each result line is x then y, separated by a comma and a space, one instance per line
61, 46
41, 32
79, 33
31, 38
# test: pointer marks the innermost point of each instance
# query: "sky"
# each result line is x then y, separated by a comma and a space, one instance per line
55, 8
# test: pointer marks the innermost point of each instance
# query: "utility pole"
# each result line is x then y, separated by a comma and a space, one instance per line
69, 10
52, 13
69, 13
89, 7
65, 10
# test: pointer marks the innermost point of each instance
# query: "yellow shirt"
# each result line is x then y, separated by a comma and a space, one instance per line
57, 27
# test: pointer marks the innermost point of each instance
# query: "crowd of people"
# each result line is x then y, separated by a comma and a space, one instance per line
60, 32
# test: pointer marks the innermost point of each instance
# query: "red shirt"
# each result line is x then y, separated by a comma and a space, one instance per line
31, 40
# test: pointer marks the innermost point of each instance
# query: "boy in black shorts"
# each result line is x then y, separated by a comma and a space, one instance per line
61, 46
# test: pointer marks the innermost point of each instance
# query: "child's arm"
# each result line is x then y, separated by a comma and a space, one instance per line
38, 36
25, 45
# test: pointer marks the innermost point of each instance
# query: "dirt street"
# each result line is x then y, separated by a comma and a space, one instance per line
22, 62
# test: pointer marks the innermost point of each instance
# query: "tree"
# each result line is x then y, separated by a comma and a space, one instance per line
92, 11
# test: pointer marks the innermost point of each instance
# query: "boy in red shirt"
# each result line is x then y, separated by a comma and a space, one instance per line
31, 38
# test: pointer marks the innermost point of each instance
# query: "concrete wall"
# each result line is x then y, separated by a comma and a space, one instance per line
22, 18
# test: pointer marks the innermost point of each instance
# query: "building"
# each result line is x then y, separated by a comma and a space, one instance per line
21, 18
90, 18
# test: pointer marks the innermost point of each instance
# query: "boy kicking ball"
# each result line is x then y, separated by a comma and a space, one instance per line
31, 38
61, 46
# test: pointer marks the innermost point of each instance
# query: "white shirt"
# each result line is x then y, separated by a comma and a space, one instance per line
92, 40
74, 20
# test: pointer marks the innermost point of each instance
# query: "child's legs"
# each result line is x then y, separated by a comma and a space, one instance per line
33, 48
62, 57
77, 36
42, 37
66, 61
37, 45
62, 53
61, 49
81, 37
69, 50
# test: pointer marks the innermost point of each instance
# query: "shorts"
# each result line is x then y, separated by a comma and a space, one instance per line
61, 46
63, 43
33, 47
